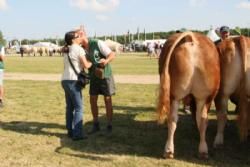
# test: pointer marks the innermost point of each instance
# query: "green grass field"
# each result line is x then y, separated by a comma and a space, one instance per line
122, 64
32, 127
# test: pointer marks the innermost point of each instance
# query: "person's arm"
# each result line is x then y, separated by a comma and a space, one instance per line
109, 58
2, 54
106, 51
84, 62
1, 57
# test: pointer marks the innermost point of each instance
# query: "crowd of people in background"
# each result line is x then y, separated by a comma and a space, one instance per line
154, 49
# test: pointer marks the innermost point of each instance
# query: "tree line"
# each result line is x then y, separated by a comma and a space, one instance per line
123, 39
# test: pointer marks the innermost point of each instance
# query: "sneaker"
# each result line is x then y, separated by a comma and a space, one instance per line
107, 132
95, 128
76, 138
70, 134
109, 129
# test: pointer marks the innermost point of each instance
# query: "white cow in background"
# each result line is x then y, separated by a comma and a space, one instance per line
46, 48
41, 48
114, 46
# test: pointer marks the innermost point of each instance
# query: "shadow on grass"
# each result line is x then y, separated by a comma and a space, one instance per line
46, 129
129, 137
132, 137
33, 128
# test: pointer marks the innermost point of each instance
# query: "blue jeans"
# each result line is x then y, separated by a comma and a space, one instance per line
74, 107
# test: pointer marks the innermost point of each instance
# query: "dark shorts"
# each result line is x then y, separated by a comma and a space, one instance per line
104, 87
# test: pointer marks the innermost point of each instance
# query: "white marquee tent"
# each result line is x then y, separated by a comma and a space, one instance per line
212, 35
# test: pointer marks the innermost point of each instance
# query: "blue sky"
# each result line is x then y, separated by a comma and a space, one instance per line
38, 19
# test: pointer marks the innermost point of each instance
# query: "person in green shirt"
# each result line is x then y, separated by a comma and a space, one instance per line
101, 78
2, 55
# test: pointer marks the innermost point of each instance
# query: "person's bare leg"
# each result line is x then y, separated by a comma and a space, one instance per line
94, 107
94, 111
109, 111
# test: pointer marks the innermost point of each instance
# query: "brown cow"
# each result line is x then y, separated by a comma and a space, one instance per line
188, 66
235, 84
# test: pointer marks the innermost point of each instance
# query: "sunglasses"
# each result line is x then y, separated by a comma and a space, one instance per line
76, 36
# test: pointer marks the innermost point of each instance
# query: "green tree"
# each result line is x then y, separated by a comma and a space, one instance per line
237, 30
2, 40
25, 42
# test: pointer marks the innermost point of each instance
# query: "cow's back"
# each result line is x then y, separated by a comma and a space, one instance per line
194, 67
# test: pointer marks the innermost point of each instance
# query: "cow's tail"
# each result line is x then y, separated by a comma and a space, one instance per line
163, 106
244, 106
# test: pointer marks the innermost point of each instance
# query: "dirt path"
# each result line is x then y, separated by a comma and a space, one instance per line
134, 79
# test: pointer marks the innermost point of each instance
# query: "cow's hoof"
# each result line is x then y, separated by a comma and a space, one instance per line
218, 146
168, 155
203, 156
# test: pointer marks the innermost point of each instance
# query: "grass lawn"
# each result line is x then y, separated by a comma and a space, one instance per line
129, 63
32, 131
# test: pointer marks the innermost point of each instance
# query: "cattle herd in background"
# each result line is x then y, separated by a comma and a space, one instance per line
51, 49
37, 49
40, 50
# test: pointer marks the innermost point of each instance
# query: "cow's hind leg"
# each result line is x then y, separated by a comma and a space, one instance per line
202, 107
172, 124
221, 107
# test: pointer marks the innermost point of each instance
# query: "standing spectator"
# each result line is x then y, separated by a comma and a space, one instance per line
101, 78
21, 51
2, 55
151, 50
73, 91
158, 49
224, 34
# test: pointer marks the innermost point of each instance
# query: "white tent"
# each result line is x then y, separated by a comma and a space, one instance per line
212, 35
154, 41
45, 44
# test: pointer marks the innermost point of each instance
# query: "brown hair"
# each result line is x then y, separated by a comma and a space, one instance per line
69, 36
